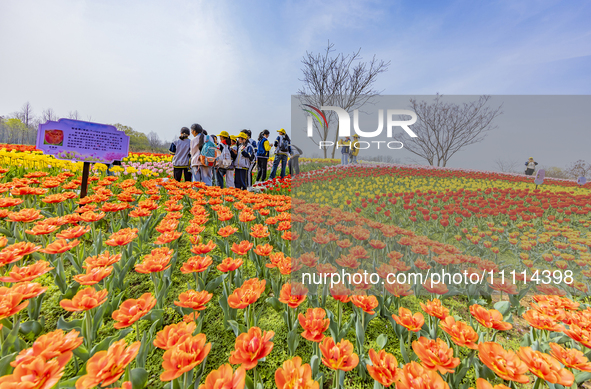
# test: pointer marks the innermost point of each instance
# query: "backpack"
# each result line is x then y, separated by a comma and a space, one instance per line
224, 160
284, 144
209, 152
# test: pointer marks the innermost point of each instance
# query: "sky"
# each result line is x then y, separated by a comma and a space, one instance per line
227, 65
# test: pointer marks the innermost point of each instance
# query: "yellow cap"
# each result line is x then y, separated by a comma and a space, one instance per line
233, 137
281, 131
242, 135
355, 136
531, 157
224, 134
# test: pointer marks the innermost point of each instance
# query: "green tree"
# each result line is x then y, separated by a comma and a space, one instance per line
138, 141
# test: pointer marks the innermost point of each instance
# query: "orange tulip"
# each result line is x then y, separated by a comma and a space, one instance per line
196, 264
29, 289
338, 356
435, 354
201, 248
366, 303
571, 358
25, 215
241, 248
168, 237
545, 366
341, 293
41, 229
581, 335
18, 250
194, 300
27, 273
102, 260
73, 232
11, 302
122, 237
461, 333
36, 373
293, 295
435, 308
229, 264
415, 376
263, 250
93, 276
541, 321
247, 294
408, 320
49, 346
132, 310
184, 356
173, 334
294, 375
158, 260
481, 383
84, 300
227, 231
225, 378
314, 324
489, 318
505, 364
106, 367
385, 367
259, 231
250, 347
60, 246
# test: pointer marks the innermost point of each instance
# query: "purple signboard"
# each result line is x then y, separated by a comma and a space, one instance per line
75, 140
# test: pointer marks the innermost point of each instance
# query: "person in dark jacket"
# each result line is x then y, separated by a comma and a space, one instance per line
181, 149
281, 154
294, 160
263, 149
530, 167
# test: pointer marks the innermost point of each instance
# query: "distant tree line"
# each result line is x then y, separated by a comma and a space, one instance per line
21, 126
572, 171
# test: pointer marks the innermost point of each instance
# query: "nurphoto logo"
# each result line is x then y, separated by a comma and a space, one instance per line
344, 127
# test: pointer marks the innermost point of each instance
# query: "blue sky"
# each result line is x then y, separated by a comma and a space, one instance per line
158, 66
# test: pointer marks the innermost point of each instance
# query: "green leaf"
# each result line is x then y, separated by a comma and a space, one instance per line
275, 303
381, 341
32, 326
582, 377
503, 306
139, 378
5, 368
403, 351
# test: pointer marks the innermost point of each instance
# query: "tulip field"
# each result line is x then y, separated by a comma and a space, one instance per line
151, 283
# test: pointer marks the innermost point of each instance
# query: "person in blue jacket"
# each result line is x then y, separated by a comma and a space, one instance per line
263, 155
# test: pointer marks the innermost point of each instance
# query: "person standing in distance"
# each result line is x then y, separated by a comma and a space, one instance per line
196, 130
243, 160
181, 160
354, 149
530, 166
282, 150
263, 155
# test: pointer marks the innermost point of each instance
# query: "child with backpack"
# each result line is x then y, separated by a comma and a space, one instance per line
263, 155
181, 160
207, 153
244, 159
282, 150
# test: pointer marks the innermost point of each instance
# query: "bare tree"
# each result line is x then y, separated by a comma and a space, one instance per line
443, 129
509, 166
341, 80
154, 139
74, 115
578, 169
48, 115
26, 115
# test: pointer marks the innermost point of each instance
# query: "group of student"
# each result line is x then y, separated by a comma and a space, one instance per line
349, 149
226, 160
